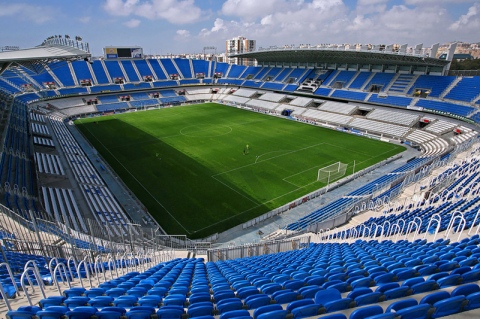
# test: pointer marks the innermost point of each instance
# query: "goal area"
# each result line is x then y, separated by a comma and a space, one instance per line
331, 172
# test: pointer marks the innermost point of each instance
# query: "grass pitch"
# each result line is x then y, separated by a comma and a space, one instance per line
191, 167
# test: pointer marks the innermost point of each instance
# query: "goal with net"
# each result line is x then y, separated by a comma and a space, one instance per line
331, 172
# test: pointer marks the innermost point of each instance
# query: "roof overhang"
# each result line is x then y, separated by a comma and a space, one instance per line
337, 56
35, 58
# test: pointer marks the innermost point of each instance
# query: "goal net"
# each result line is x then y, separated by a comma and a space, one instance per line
332, 172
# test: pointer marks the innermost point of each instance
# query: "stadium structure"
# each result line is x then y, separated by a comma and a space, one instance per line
77, 244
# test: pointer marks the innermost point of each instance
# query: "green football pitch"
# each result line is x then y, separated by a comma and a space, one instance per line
204, 168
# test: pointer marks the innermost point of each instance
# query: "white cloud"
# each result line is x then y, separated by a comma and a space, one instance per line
251, 9
468, 21
436, 2
85, 19
132, 23
120, 7
37, 14
174, 11
266, 20
183, 33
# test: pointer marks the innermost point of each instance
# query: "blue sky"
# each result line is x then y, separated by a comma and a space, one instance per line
186, 26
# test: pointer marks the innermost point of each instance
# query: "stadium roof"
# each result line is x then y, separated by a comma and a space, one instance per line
339, 56
35, 58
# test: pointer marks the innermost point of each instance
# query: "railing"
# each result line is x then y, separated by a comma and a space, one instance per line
257, 249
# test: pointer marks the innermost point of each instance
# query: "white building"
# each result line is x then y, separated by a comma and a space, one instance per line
240, 45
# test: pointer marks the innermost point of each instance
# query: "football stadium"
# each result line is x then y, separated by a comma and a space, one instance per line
320, 183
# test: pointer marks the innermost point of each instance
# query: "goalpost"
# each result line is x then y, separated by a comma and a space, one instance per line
331, 172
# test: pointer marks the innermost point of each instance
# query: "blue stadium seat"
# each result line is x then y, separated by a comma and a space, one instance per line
414, 312
448, 306
365, 312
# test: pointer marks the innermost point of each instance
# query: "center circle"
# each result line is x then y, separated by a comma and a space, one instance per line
205, 130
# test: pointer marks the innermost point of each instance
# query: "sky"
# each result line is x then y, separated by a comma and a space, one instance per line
187, 26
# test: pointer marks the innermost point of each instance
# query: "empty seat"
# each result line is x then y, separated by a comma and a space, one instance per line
265, 309
276, 314
414, 312
306, 311
448, 306
365, 312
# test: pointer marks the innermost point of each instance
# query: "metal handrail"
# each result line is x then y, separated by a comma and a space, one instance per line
37, 277
12, 278
461, 224
435, 218
473, 224
58, 267
71, 258
87, 272
36, 270
5, 297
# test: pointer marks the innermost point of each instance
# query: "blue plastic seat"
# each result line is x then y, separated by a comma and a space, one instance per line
76, 301
308, 291
101, 301
51, 301
20, 314
108, 315
451, 280
293, 284
465, 290
150, 300
115, 292
315, 280
223, 295
428, 270
339, 304
427, 286
434, 297
203, 310
234, 314
341, 286
299, 303
306, 311
94, 292
258, 301
120, 310
270, 288
364, 282
387, 286
397, 293
471, 276
230, 306
405, 303
265, 309
138, 314
412, 281
387, 315
473, 301
448, 306
126, 301
81, 312
414, 312
335, 316
169, 313
178, 300
365, 312
327, 295
368, 299
247, 291
75, 291
286, 297
384, 278
276, 314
